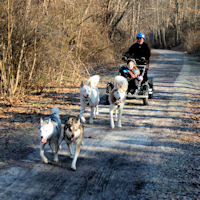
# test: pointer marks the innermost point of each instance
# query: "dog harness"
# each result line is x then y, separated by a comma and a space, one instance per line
88, 102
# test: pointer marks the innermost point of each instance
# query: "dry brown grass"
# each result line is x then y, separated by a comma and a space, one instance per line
193, 121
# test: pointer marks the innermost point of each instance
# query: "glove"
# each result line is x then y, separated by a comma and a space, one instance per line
140, 78
125, 70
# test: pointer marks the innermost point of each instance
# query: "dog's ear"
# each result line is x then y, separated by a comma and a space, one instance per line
90, 84
81, 84
78, 119
41, 120
70, 121
67, 120
49, 121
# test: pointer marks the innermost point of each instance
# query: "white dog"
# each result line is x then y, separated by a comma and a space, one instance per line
89, 96
50, 132
117, 99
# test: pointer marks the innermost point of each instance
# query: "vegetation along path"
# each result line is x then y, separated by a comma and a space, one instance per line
155, 155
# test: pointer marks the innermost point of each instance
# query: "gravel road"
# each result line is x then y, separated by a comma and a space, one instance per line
145, 159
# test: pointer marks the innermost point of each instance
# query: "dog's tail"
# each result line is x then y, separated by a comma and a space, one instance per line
55, 111
93, 81
121, 83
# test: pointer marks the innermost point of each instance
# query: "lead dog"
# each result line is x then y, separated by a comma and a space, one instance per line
117, 99
50, 132
89, 96
73, 136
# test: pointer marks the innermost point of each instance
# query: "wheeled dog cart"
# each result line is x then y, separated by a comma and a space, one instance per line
144, 89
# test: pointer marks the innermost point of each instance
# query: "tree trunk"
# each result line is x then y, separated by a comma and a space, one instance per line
28, 6
195, 15
137, 28
177, 22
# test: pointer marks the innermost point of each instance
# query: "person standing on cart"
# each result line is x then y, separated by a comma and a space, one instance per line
140, 51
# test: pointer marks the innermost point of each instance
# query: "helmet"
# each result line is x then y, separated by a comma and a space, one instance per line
131, 59
141, 35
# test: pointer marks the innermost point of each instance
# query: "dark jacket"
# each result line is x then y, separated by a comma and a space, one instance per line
138, 51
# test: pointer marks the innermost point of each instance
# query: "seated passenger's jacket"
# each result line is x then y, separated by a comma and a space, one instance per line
124, 71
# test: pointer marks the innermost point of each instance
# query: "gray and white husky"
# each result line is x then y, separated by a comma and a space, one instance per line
50, 132
73, 136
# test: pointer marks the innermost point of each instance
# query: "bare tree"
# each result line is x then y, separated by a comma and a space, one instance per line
56, 40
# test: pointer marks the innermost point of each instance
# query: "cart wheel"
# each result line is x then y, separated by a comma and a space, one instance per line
150, 88
107, 99
145, 89
146, 101
150, 96
146, 93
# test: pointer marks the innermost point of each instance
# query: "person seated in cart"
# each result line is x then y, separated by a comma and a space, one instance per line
141, 52
132, 73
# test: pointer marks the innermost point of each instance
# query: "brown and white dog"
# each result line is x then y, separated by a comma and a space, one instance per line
117, 99
73, 136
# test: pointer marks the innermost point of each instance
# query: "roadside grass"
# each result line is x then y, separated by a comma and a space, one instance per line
193, 122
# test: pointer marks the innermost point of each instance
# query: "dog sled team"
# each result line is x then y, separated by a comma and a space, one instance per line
50, 127
52, 133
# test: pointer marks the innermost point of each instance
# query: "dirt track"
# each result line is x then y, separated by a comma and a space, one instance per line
153, 156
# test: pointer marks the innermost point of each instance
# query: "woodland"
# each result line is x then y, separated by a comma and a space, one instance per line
53, 42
